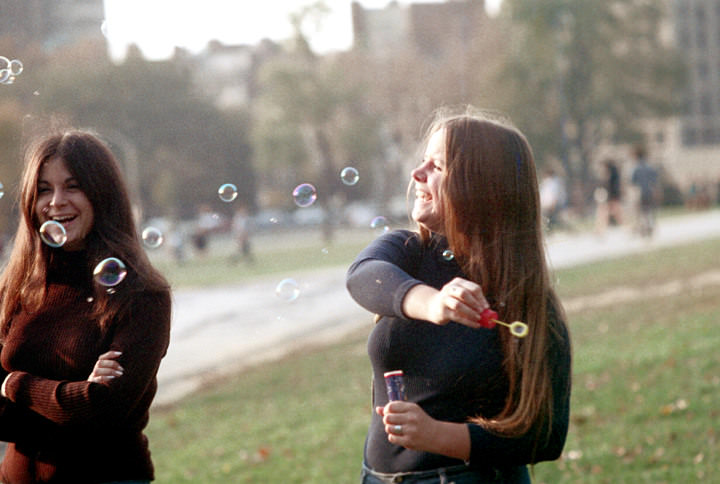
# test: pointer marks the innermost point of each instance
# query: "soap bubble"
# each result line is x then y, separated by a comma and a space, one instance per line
304, 195
53, 233
5, 76
349, 175
152, 237
287, 290
227, 192
110, 272
2, 190
4, 62
448, 255
380, 225
16, 67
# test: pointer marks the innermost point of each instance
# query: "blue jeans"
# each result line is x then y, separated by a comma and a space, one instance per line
449, 475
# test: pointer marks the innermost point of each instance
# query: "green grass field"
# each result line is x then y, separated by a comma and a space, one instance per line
645, 407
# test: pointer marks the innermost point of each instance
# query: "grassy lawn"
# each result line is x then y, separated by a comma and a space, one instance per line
646, 398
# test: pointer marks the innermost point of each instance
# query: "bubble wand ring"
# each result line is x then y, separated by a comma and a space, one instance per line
517, 328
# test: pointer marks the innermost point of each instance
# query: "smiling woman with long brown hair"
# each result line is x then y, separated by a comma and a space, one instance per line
78, 360
482, 403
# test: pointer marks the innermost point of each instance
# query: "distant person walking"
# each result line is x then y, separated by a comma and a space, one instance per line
553, 198
645, 178
241, 227
609, 198
205, 224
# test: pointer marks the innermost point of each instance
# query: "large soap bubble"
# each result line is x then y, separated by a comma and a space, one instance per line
53, 234
304, 195
288, 290
152, 237
349, 175
110, 272
227, 192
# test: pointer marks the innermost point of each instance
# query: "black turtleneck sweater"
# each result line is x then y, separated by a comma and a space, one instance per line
62, 428
453, 372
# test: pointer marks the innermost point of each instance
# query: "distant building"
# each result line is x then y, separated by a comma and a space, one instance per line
52, 23
688, 145
428, 29
228, 73
697, 30
693, 141
223, 72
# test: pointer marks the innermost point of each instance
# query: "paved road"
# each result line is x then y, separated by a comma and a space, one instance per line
219, 330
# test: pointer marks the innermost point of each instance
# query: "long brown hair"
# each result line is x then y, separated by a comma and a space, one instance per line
493, 225
114, 234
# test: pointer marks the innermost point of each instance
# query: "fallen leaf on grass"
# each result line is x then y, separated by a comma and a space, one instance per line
678, 405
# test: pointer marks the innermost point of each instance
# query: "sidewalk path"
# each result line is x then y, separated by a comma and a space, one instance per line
218, 330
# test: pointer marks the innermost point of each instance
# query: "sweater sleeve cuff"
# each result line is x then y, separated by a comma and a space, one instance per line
14, 384
6, 385
400, 294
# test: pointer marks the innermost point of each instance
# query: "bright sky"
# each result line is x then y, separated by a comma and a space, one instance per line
157, 26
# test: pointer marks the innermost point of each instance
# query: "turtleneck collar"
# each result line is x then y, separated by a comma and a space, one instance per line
69, 267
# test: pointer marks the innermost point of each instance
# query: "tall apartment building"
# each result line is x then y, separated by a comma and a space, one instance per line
429, 29
697, 30
694, 144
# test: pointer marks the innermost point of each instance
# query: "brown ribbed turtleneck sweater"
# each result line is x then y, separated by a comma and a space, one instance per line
62, 428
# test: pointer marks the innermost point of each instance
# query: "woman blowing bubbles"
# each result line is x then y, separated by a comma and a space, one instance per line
481, 402
78, 363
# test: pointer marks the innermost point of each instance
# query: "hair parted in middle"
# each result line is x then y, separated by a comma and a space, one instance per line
91, 162
493, 225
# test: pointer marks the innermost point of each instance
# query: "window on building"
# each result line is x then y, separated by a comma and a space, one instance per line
701, 38
689, 137
703, 71
709, 136
706, 105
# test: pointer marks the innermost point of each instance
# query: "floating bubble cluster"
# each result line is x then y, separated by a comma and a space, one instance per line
152, 237
110, 272
9, 70
288, 290
227, 192
53, 234
304, 195
349, 175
